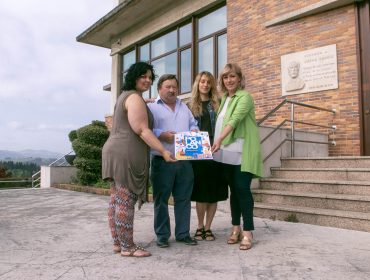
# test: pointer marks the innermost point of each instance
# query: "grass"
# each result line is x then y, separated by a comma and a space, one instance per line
292, 218
102, 184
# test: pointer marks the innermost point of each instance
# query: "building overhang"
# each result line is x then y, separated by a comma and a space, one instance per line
127, 14
313, 9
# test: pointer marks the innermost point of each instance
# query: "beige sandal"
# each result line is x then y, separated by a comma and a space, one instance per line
245, 243
234, 237
137, 252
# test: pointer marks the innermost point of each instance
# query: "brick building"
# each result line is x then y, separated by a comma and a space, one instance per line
187, 36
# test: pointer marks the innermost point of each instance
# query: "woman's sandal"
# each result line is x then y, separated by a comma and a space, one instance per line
116, 249
209, 236
245, 243
234, 237
137, 251
199, 234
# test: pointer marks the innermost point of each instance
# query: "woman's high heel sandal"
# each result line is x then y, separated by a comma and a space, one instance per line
245, 243
234, 237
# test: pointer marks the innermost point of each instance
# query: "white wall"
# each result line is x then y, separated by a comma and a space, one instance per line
56, 175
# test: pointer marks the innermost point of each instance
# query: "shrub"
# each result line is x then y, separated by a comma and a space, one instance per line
72, 135
102, 184
86, 151
87, 143
93, 135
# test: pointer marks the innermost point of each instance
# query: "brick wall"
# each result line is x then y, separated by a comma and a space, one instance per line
258, 50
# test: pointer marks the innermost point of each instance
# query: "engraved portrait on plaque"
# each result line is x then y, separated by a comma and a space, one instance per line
295, 82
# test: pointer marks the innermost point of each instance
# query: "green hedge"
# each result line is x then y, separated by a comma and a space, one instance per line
85, 150
93, 135
87, 143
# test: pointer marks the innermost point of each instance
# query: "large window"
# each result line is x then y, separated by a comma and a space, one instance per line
196, 45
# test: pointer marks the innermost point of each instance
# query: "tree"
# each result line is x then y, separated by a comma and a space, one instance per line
4, 173
87, 143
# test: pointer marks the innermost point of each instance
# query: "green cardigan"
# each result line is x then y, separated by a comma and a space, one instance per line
241, 116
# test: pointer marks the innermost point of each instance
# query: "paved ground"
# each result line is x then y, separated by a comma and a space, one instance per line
58, 234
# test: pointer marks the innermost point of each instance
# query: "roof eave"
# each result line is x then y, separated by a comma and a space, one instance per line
96, 35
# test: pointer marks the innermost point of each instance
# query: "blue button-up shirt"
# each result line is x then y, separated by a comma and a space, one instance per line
165, 119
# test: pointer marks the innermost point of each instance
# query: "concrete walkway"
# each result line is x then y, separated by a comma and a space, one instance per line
58, 234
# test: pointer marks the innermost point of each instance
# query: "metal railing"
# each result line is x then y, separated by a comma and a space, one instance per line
36, 178
24, 183
292, 121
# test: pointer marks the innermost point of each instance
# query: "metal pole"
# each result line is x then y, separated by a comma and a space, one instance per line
292, 143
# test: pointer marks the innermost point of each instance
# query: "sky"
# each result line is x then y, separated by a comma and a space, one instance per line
50, 84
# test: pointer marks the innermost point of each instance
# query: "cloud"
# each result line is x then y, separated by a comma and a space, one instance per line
39, 51
50, 84
16, 125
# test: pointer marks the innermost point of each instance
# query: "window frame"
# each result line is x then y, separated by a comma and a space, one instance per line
193, 46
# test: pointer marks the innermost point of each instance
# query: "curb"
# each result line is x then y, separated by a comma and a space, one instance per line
93, 190
85, 189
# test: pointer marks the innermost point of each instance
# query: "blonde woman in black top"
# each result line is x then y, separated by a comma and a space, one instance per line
209, 186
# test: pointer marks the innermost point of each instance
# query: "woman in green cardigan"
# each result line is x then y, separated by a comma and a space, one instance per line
237, 146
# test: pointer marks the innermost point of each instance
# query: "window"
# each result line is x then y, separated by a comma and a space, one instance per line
164, 44
185, 35
205, 55
185, 71
144, 52
128, 59
212, 48
164, 65
212, 22
181, 52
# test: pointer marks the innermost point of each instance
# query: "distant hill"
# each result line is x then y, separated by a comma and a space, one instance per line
26, 155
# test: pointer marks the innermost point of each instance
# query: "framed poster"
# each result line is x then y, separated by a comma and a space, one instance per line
192, 145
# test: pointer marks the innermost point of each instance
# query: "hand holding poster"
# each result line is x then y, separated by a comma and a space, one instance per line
192, 145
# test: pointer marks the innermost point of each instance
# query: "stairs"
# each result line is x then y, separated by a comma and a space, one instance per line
327, 191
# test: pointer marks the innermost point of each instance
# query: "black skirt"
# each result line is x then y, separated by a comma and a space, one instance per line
209, 183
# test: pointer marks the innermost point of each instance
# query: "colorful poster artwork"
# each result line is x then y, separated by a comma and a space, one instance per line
192, 145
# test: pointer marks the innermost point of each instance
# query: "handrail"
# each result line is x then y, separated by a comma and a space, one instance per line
273, 131
62, 157
312, 106
293, 122
272, 111
35, 180
296, 103
27, 181
300, 122
274, 150
289, 139
14, 181
313, 124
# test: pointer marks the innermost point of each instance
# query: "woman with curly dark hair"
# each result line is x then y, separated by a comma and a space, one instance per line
126, 158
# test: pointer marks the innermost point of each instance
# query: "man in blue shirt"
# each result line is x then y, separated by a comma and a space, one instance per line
171, 116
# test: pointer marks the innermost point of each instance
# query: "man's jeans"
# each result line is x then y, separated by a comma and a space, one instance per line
176, 178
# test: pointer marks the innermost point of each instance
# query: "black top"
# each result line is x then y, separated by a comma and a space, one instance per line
205, 124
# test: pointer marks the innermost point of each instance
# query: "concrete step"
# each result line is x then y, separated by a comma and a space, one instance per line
317, 186
315, 216
343, 202
326, 162
339, 174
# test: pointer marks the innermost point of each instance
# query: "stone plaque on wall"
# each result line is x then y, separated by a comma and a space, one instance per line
309, 71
